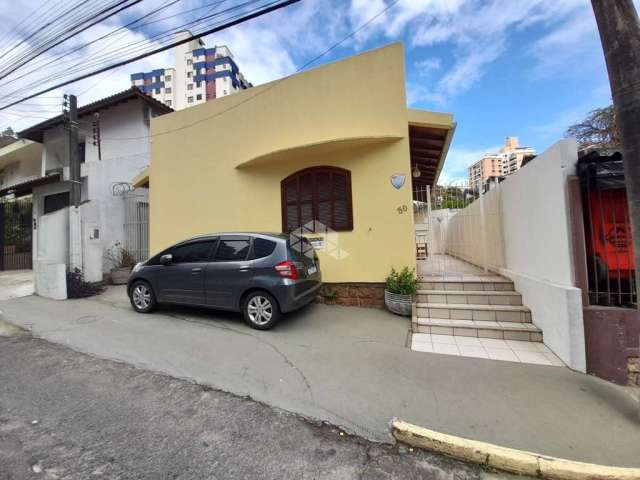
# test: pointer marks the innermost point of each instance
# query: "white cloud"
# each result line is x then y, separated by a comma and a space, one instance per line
428, 65
476, 33
572, 47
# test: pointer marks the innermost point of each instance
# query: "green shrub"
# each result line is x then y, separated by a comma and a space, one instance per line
403, 282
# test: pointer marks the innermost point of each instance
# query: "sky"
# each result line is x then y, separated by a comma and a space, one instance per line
525, 68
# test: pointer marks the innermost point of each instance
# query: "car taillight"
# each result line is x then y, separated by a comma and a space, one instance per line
287, 270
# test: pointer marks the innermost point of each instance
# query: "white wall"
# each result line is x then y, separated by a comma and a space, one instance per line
440, 226
124, 153
528, 215
17, 172
52, 254
535, 216
475, 232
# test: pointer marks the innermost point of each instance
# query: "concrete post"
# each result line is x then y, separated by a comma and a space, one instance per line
483, 227
75, 221
430, 242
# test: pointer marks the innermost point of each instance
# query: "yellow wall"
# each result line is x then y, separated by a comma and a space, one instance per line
218, 166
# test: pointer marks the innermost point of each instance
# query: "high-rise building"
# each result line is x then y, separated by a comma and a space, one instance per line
513, 155
489, 166
200, 74
506, 162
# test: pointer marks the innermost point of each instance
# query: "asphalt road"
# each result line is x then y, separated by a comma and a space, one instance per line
66, 415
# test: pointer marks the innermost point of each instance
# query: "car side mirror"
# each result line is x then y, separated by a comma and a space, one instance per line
166, 259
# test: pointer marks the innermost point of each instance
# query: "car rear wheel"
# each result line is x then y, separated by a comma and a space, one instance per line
142, 298
260, 310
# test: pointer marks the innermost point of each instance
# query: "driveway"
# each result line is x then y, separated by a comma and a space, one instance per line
351, 368
16, 283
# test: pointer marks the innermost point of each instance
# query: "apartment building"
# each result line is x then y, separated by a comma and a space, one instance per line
513, 155
489, 166
200, 74
508, 160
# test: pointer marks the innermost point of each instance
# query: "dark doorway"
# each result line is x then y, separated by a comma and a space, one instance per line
16, 234
55, 202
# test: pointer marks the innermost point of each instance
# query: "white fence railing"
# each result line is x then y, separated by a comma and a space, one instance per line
136, 225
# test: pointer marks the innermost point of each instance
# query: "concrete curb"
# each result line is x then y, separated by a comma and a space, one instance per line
507, 459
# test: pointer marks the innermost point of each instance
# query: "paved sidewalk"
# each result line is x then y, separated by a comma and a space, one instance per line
351, 367
16, 283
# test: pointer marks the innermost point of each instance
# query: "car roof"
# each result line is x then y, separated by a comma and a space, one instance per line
281, 236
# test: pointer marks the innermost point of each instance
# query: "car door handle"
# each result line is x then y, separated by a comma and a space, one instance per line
244, 269
196, 271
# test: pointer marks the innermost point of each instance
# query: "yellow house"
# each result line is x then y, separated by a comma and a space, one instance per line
326, 145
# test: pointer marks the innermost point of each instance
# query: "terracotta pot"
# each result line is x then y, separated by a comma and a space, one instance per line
398, 304
120, 276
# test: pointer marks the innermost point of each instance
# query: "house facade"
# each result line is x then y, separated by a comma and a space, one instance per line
113, 147
335, 145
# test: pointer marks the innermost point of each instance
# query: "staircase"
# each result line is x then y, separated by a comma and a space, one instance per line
485, 307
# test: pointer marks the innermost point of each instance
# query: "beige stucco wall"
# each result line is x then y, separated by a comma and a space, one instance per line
218, 166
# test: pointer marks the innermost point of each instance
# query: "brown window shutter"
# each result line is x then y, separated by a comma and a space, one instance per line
317, 193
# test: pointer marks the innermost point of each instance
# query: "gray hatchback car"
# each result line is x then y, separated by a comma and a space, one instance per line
262, 275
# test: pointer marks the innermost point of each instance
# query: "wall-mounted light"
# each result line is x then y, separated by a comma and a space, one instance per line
416, 172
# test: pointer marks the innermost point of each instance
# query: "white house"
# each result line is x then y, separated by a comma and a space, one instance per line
114, 147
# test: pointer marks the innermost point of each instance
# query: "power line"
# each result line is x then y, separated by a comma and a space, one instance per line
45, 62
164, 36
273, 6
216, 4
270, 87
140, 46
74, 30
8, 35
39, 29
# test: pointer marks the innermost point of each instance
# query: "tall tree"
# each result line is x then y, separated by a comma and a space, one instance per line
598, 129
7, 136
8, 132
619, 29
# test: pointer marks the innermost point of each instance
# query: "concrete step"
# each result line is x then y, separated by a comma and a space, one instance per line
462, 311
476, 297
496, 284
483, 329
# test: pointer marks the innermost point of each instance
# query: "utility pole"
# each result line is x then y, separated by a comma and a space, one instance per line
620, 35
74, 161
75, 226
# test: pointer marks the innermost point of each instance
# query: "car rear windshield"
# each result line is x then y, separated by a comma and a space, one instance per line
301, 249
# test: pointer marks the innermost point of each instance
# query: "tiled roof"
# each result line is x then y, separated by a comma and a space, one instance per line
36, 132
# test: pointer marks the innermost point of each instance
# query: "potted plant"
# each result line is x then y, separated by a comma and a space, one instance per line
399, 291
123, 261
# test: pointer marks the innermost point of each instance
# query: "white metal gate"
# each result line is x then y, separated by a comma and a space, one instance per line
136, 224
448, 228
